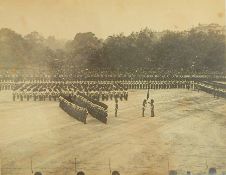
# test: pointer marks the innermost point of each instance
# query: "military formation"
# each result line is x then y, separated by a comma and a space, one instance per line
82, 74
100, 91
6, 85
104, 91
93, 100
97, 111
52, 90
214, 88
73, 110
79, 106
88, 89
173, 84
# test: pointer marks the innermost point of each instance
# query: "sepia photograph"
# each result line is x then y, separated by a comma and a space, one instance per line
112, 87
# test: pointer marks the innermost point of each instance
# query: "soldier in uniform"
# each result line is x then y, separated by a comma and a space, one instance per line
116, 107
21, 97
28, 97
34, 95
152, 107
14, 96
188, 85
49, 94
143, 107
85, 117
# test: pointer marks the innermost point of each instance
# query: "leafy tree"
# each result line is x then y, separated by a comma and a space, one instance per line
195, 49
13, 49
84, 49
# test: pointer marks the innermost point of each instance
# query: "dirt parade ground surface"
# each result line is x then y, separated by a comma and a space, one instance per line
187, 133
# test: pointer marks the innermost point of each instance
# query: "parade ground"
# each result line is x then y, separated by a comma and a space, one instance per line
188, 133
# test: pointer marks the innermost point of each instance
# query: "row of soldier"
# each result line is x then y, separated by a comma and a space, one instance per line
105, 96
110, 95
95, 110
104, 85
53, 96
51, 90
210, 88
158, 84
62, 85
109, 75
73, 110
91, 86
36, 96
7, 85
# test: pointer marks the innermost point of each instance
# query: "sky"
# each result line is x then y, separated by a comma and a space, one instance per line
65, 18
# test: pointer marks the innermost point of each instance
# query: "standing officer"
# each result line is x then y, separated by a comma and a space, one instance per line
116, 107
85, 117
14, 96
143, 107
152, 108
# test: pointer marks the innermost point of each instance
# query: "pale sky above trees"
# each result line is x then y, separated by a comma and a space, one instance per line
65, 18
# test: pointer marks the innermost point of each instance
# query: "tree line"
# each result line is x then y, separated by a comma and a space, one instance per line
168, 50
